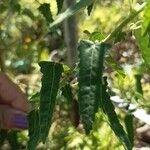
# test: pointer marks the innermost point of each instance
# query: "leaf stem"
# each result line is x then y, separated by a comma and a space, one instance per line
124, 23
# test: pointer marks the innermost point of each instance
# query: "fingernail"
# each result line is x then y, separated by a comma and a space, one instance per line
20, 121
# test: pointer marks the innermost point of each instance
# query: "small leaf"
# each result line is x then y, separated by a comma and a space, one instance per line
59, 5
146, 22
108, 108
89, 8
90, 72
96, 36
50, 84
71, 11
143, 43
120, 36
67, 92
28, 13
46, 12
34, 127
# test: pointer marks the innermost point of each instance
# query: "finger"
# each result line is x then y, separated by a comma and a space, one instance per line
12, 95
12, 119
21, 104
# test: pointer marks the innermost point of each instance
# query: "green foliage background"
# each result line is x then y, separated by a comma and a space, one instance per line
26, 39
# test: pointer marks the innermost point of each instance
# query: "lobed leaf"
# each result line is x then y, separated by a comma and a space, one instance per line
71, 11
143, 43
50, 84
59, 5
108, 108
90, 73
146, 21
46, 12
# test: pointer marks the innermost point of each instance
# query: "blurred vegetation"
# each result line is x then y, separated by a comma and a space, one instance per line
25, 40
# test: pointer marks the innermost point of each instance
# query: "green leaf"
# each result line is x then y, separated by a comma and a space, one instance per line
89, 8
90, 73
67, 92
46, 12
143, 43
138, 78
120, 36
50, 84
146, 21
71, 11
12, 138
108, 108
34, 126
129, 127
59, 5
96, 36
3, 8
28, 13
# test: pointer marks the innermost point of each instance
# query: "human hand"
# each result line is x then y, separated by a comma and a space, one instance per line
13, 105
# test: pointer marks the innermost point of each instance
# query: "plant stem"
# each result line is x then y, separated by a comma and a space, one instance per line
124, 23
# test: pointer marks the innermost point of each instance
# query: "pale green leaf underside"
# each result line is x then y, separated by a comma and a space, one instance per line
146, 21
71, 11
50, 84
90, 72
143, 43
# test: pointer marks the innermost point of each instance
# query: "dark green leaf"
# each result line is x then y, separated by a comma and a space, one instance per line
143, 43
90, 73
13, 140
67, 92
3, 136
59, 5
89, 8
2, 8
109, 110
34, 127
50, 84
129, 127
28, 13
138, 84
46, 12
120, 36
146, 22
71, 11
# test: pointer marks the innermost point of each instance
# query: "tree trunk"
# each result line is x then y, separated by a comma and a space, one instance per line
71, 40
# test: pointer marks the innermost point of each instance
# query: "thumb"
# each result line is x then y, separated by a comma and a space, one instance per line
12, 119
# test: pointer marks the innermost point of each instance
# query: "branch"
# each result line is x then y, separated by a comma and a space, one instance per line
124, 23
138, 113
